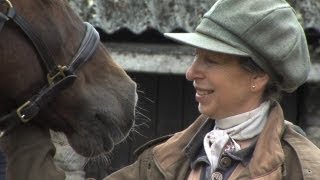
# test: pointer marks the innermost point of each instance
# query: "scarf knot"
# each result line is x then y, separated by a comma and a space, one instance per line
239, 127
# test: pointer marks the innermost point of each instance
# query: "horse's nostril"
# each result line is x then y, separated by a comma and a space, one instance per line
102, 118
98, 117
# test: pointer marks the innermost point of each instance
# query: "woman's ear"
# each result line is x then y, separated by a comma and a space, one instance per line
259, 81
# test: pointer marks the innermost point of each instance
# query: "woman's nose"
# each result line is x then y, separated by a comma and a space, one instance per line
189, 74
193, 71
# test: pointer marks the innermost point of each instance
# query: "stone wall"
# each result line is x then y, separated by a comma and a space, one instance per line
166, 15
140, 15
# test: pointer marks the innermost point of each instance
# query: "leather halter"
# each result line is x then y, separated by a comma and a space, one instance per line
59, 77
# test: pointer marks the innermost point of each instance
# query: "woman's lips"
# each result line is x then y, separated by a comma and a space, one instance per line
201, 94
204, 92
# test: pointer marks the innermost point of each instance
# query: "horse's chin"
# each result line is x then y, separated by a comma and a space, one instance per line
94, 144
88, 148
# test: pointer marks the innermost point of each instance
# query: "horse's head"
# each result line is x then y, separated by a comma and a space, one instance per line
97, 110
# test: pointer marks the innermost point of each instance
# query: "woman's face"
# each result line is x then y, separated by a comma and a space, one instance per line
223, 88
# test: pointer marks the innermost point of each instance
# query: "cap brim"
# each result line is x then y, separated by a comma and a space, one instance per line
204, 42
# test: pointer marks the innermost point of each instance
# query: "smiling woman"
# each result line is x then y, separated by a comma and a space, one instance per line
247, 51
55, 74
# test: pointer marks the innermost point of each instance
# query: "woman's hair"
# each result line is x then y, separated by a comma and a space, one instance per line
272, 91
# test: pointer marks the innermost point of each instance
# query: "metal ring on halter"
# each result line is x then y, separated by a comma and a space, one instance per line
8, 3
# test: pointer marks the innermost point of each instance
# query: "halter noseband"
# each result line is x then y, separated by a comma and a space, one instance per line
58, 77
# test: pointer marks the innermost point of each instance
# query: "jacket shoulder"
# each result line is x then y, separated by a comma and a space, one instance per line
296, 128
151, 143
307, 153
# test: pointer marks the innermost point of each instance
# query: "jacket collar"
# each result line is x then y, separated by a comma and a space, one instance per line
265, 158
172, 151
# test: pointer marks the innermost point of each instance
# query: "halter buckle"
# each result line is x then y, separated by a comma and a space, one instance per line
60, 73
22, 116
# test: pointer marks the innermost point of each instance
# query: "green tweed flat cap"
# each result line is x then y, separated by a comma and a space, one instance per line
265, 30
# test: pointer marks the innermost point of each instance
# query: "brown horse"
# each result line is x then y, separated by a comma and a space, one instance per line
97, 111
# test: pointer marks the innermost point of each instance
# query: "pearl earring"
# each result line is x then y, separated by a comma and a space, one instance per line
253, 86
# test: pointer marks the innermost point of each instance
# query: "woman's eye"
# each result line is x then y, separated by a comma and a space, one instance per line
210, 61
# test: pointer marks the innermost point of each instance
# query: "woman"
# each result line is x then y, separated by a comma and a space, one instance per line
247, 52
